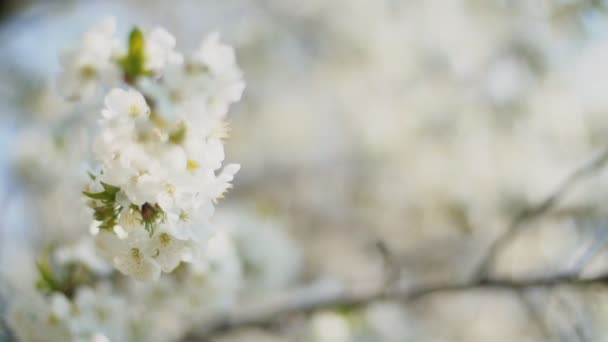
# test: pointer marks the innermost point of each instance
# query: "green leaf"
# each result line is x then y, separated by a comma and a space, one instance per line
107, 195
105, 208
102, 196
107, 214
111, 189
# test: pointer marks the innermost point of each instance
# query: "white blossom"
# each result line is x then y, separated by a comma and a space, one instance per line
160, 52
132, 256
92, 315
32, 319
160, 163
92, 62
173, 184
83, 251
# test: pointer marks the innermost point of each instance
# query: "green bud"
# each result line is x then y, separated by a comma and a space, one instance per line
133, 63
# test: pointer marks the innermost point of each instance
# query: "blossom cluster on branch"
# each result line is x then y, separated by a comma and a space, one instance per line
393, 138
77, 301
159, 145
148, 124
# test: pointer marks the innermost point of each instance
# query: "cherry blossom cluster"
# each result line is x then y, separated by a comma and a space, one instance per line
78, 299
159, 144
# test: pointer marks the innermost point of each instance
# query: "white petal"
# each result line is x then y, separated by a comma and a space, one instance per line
120, 232
170, 251
137, 265
115, 102
60, 305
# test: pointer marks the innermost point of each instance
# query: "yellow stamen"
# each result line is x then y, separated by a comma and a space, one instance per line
135, 110
183, 216
192, 165
54, 319
88, 72
136, 254
165, 239
171, 189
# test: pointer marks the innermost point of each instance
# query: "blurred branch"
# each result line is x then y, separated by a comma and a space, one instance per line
536, 316
576, 324
310, 300
533, 212
594, 248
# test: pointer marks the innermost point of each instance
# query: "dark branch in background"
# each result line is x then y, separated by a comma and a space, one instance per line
304, 301
583, 172
312, 299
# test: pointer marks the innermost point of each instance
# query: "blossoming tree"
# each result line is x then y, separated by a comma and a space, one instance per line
406, 144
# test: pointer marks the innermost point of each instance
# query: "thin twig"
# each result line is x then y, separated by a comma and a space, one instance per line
590, 251
583, 172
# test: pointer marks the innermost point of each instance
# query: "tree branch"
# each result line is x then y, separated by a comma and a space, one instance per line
528, 214
306, 301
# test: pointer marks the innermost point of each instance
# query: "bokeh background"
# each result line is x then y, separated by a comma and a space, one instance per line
372, 133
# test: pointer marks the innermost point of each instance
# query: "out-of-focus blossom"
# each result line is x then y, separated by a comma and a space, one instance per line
92, 315
85, 67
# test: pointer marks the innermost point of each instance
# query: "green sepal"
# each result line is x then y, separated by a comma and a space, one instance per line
65, 279
150, 227
133, 64
107, 195
91, 176
107, 214
111, 189
47, 281
102, 196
